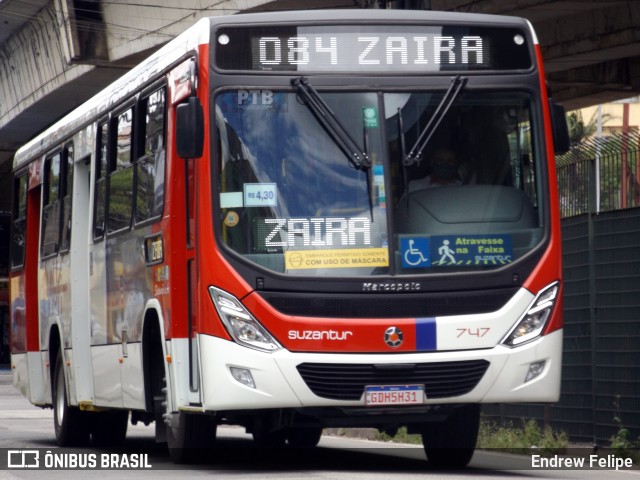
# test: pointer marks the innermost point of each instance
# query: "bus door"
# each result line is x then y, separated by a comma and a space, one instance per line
105, 343
124, 263
55, 256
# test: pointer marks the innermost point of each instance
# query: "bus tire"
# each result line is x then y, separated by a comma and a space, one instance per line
273, 439
304, 437
109, 429
451, 443
189, 435
70, 424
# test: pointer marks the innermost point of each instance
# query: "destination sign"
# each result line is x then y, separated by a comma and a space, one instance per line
371, 49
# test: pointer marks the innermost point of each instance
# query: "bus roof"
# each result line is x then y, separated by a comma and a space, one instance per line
370, 15
199, 33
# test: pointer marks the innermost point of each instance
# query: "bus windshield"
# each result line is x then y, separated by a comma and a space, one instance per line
292, 201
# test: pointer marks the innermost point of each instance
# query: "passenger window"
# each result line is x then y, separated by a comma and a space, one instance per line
101, 182
151, 160
51, 207
56, 210
66, 193
120, 187
19, 229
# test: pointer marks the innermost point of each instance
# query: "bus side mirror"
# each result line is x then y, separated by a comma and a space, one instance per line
190, 128
559, 127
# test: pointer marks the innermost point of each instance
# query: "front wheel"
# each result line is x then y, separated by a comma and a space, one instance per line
304, 437
109, 429
451, 443
70, 424
188, 435
270, 439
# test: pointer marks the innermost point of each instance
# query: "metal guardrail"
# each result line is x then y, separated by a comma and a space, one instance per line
600, 175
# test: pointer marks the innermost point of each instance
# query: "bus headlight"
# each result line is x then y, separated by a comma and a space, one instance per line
240, 324
531, 324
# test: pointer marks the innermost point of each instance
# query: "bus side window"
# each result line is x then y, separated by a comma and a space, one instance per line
151, 160
66, 192
51, 207
100, 190
120, 188
19, 227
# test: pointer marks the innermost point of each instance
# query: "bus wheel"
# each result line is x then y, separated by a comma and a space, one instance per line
188, 435
109, 429
304, 437
271, 439
69, 422
451, 443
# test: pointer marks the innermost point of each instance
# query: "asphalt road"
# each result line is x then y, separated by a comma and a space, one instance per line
25, 427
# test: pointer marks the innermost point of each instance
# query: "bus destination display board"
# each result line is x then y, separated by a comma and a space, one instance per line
371, 49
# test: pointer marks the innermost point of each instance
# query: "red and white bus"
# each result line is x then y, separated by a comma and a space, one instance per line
254, 227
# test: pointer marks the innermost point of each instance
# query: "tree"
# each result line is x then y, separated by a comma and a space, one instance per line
579, 130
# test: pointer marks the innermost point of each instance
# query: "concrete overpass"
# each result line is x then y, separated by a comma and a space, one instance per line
55, 54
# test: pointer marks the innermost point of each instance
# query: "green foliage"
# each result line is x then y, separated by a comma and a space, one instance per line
401, 437
621, 443
579, 130
507, 438
517, 439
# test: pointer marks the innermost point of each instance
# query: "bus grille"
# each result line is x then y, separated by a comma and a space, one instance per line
394, 305
347, 381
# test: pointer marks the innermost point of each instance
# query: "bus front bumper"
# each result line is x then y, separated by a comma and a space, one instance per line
273, 380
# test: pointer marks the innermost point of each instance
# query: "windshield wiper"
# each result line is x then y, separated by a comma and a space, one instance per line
358, 158
403, 152
415, 154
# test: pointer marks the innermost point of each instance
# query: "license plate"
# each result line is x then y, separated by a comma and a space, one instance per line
394, 395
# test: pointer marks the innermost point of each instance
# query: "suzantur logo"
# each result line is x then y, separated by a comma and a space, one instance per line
319, 335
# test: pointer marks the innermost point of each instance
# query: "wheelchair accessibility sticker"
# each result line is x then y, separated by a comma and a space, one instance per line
456, 250
415, 252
